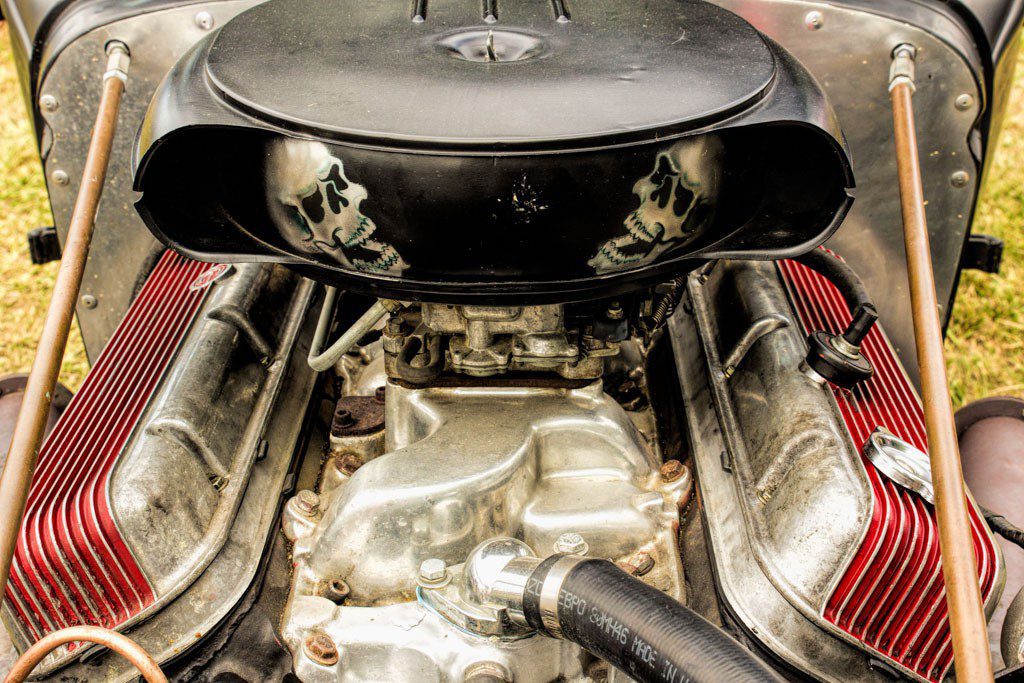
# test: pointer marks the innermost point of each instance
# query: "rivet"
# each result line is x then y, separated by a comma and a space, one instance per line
960, 179
964, 102
814, 20
60, 177
204, 20
89, 301
49, 103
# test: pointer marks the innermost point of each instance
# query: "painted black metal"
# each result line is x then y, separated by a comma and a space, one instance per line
984, 253
43, 245
521, 215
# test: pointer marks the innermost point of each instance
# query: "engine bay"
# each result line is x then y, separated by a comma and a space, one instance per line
483, 355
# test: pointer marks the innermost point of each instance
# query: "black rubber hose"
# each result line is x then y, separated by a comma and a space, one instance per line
838, 273
637, 628
850, 286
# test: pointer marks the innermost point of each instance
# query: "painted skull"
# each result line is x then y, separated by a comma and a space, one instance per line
677, 199
318, 208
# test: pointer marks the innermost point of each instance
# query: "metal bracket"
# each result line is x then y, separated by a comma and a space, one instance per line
43, 245
984, 253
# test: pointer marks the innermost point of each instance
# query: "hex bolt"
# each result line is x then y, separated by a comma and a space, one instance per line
60, 177
49, 103
571, 543
319, 647
89, 301
204, 20
672, 470
814, 20
964, 101
639, 564
433, 571
614, 311
307, 502
348, 464
960, 179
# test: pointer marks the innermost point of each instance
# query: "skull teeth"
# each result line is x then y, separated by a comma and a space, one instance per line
638, 229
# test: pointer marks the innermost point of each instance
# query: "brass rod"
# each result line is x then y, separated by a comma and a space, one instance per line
120, 644
956, 543
35, 406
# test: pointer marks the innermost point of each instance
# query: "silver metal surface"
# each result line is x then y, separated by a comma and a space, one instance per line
205, 601
121, 242
467, 471
467, 464
408, 642
1011, 642
849, 54
474, 600
785, 498
757, 329
902, 462
490, 340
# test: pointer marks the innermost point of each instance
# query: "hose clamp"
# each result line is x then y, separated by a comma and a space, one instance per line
548, 602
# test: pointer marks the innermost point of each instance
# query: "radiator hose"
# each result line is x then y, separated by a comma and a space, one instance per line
637, 628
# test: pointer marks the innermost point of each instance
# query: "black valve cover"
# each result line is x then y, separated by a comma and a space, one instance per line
464, 150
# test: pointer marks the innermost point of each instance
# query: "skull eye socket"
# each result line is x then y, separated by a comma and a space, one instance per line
313, 205
683, 201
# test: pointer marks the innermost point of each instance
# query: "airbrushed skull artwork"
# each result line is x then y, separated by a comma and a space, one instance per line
676, 201
310, 191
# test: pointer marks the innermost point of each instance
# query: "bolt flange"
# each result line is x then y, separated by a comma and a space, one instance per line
571, 543
319, 647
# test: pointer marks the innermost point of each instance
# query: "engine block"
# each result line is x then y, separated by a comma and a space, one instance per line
464, 465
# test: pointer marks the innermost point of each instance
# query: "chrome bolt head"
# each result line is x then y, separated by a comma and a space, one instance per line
964, 102
89, 301
960, 179
60, 177
571, 543
433, 571
204, 20
307, 502
319, 647
49, 103
814, 20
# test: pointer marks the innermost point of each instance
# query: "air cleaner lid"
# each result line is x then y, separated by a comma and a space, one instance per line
490, 74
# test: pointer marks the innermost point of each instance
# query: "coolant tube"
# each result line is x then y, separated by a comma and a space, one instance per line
637, 628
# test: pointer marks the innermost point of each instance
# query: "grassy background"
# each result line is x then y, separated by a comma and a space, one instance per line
985, 346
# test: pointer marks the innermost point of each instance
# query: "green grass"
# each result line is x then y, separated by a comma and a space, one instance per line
985, 347
985, 341
24, 288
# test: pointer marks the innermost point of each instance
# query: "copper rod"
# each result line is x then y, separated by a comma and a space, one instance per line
120, 644
35, 406
956, 543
